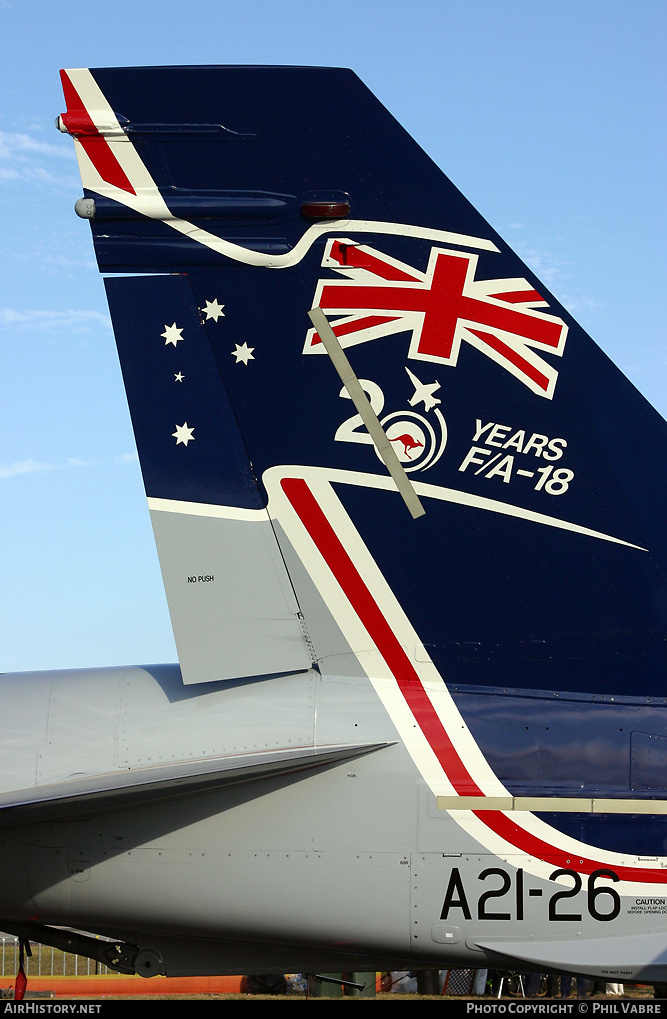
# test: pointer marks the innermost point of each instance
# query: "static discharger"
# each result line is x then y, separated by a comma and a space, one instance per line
364, 409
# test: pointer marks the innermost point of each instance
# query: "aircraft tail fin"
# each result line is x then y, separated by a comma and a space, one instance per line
246, 197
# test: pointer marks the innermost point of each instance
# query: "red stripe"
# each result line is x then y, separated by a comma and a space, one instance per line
369, 322
534, 846
519, 297
351, 255
342, 567
410, 685
79, 123
511, 355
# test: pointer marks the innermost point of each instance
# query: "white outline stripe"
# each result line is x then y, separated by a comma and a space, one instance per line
379, 481
207, 509
557, 845
315, 475
149, 202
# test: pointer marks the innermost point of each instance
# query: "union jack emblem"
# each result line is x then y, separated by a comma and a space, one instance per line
441, 307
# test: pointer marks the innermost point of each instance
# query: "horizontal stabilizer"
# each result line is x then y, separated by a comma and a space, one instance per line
140, 786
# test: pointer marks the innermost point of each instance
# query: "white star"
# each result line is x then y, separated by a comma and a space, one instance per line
183, 434
214, 310
172, 334
243, 353
423, 391
179, 377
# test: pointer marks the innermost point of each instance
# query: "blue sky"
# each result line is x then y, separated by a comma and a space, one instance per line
548, 114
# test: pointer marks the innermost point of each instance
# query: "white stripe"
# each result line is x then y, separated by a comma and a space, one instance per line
366, 480
370, 659
374, 666
149, 202
368, 655
552, 804
204, 509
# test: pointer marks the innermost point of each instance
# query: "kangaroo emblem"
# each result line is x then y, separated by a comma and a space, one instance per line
408, 443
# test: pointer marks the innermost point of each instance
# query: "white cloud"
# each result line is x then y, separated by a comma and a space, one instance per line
557, 275
25, 158
69, 320
543, 263
580, 305
14, 142
24, 467
31, 466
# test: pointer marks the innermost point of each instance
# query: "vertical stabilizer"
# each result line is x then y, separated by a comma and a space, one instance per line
245, 197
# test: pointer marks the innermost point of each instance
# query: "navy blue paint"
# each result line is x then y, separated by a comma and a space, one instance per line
641, 834
548, 744
216, 460
500, 602
555, 745
310, 130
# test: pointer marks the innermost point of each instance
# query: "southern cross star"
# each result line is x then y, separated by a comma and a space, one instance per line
243, 353
172, 334
183, 434
214, 310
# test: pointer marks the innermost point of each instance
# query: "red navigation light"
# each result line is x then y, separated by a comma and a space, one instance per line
325, 210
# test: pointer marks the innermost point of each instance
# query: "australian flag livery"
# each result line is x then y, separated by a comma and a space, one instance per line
509, 635
440, 307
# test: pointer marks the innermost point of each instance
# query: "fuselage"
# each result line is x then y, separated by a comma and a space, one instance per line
356, 857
